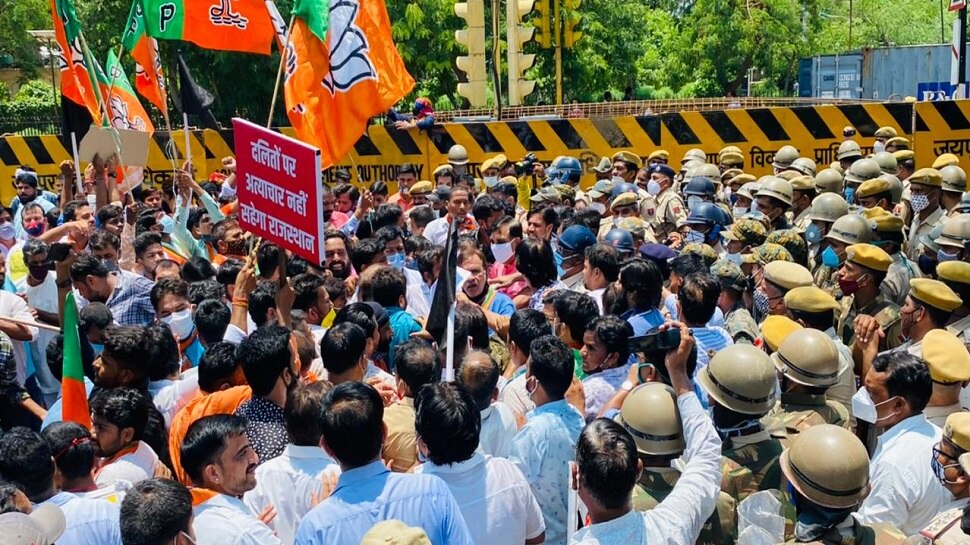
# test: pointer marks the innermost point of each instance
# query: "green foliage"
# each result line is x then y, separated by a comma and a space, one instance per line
34, 99
19, 16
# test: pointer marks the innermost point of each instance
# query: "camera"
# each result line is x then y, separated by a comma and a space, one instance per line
524, 167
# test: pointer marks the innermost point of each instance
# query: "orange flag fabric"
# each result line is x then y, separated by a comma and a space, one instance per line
77, 83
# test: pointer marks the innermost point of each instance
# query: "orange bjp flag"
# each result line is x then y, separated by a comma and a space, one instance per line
77, 83
342, 68
226, 25
149, 79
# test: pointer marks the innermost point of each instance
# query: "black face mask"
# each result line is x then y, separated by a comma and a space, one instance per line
236, 247
38, 272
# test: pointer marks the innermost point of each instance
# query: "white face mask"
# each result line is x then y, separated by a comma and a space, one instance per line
599, 207
181, 323
618, 180
864, 408
919, 203
739, 211
7, 231
879, 147
490, 181
502, 252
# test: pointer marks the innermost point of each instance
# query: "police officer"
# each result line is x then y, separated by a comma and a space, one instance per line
925, 186
671, 211
658, 157
828, 469
897, 143
949, 364
829, 180
874, 193
740, 384
804, 166
883, 134
651, 416
742, 237
783, 159
699, 189
953, 239
803, 192
956, 275
905, 163
737, 320
808, 362
730, 157
826, 209
858, 173
859, 279
848, 153
792, 240
887, 162
951, 464
774, 199
604, 169
776, 279
847, 230
954, 184
887, 233
625, 166
744, 203
814, 308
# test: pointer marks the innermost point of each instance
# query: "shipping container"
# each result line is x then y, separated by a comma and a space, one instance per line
884, 73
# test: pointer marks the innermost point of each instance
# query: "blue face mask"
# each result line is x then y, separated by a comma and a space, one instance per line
942, 255
98, 348
926, 265
397, 260
695, 237
830, 258
849, 194
813, 234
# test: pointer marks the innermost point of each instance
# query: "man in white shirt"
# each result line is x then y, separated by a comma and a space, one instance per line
158, 511
492, 493
220, 461
12, 306
39, 291
292, 481
525, 326
75, 461
313, 299
118, 420
27, 461
458, 207
479, 375
905, 490
681, 515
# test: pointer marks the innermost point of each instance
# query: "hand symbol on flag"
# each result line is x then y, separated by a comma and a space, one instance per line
349, 59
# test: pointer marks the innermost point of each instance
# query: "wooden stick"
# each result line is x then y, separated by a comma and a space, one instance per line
31, 323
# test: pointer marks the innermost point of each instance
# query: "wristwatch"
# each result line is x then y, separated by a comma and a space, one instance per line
626, 386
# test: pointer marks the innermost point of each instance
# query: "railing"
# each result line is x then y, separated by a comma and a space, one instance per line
30, 125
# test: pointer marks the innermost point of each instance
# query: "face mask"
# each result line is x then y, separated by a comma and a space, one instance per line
878, 147
110, 265
168, 224
7, 231
761, 302
734, 431
813, 234
830, 258
98, 348
405, 190
939, 469
726, 194
864, 408
92, 200
397, 260
813, 521
181, 323
38, 272
694, 237
919, 203
942, 255
739, 211
618, 180
849, 194
734, 258
599, 207
653, 187
754, 206
926, 265
848, 287
35, 228
490, 181
693, 201
502, 252
411, 263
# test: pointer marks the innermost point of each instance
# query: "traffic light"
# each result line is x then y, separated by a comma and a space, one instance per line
472, 64
518, 36
543, 23
571, 20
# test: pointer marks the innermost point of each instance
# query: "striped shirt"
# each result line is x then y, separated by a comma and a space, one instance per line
710, 341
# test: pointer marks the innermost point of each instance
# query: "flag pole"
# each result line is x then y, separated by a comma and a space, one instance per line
450, 345
188, 141
279, 72
77, 163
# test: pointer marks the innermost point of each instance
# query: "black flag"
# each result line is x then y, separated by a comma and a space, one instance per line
74, 118
444, 293
193, 99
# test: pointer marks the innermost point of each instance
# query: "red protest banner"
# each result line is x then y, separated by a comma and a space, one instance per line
279, 187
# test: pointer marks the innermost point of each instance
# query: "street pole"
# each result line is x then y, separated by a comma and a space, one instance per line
557, 36
850, 26
942, 33
962, 66
50, 59
497, 58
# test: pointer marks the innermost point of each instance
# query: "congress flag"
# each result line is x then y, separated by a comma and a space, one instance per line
342, 68
74, 398
77, 83
227, 25
149, 78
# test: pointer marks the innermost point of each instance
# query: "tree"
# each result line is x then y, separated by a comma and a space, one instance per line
19, 16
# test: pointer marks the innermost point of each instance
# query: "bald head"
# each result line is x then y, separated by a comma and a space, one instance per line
479, 376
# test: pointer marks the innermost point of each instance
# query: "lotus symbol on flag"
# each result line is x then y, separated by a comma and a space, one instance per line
222, 14
349, 59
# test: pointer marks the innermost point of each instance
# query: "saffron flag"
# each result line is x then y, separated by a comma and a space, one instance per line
342, 68
74, 398
77, 83
149, 78
227, 25
123, 106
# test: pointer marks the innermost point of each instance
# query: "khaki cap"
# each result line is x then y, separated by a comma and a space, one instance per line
899, 142
729, 174
395, 532
731, 158
869, 256
934, 293
946, 160
802, 183
604, 166
443, 169
954, 271
885, 132
904, 155
627, 157
886, 222
947, 358
424, 187
811, 299
872, 187
742, 179
927, 176
660, 154
624, 199
788, 275
957, 429
775, 329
